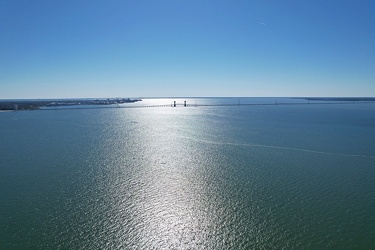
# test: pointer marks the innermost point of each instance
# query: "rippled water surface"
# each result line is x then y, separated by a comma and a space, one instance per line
238, 177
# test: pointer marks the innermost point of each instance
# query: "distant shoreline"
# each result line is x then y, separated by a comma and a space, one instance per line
343, 99
91, 103
9, 105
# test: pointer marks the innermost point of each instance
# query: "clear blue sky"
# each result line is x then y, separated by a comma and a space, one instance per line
139, 48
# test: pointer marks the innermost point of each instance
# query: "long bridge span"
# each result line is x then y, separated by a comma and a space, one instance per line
186, 105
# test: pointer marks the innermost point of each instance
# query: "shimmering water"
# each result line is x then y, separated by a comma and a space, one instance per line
240, 177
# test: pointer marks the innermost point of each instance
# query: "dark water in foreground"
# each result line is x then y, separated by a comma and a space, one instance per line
240, 177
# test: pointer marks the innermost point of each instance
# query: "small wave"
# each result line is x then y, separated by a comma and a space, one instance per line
281, 147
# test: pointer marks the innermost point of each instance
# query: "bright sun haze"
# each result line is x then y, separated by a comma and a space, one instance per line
58, 49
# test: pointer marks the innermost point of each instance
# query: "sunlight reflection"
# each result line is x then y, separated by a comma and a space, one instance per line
157, 188
172, 195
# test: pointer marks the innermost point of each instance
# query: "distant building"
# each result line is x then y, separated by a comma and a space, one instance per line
15, 107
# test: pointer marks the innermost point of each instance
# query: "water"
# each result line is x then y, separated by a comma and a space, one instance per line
237, 177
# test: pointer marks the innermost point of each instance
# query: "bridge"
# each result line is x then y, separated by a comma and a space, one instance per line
186, 105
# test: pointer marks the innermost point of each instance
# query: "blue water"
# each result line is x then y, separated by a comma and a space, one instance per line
220, 177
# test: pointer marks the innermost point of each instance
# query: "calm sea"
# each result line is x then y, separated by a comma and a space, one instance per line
219, 177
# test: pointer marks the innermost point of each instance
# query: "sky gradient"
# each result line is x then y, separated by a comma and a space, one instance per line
165, 48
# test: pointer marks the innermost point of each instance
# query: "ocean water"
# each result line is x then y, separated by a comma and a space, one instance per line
215, 177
